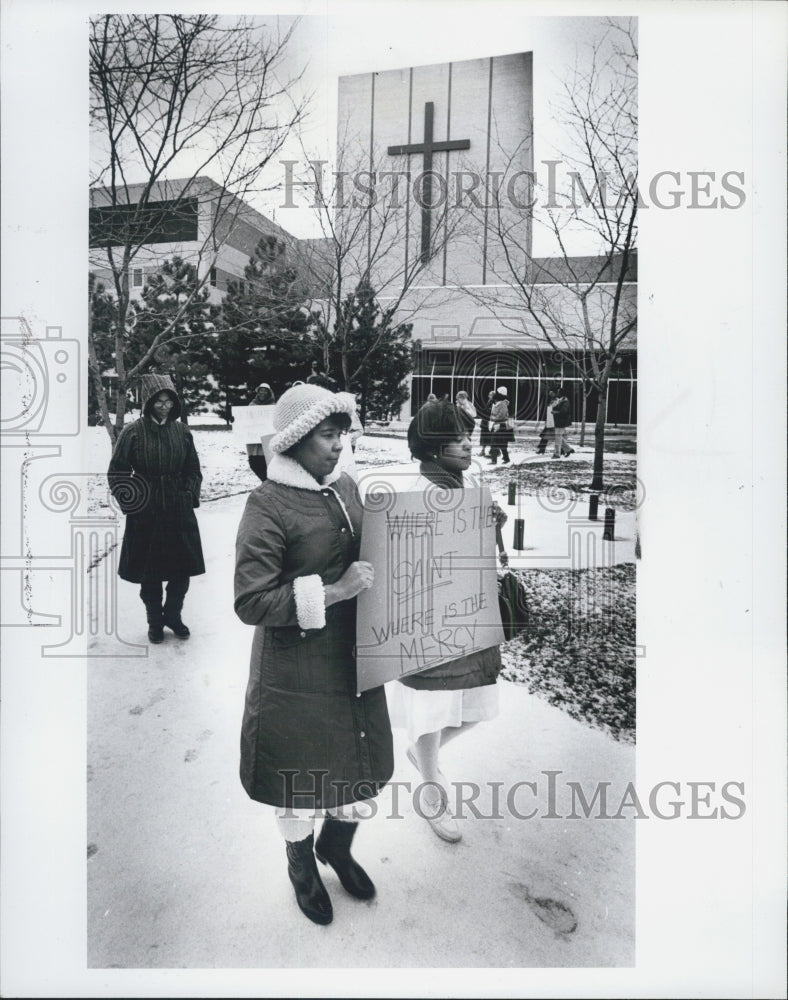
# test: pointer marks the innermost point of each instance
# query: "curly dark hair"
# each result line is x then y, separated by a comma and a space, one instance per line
435, 425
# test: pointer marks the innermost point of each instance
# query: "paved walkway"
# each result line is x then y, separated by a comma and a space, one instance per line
184, 871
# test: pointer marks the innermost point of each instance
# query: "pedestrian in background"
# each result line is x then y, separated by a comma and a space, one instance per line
466, 411
562, 416
500, 426
485, 433
263, 396
548, 431
155, 477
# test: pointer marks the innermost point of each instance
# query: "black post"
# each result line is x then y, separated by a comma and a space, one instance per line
519, 534
593, 507
512, 493
610, 524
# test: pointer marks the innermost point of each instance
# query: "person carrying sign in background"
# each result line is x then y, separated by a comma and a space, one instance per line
438, 704
562, 417
500, 426
263, 396
155, 477
308, 741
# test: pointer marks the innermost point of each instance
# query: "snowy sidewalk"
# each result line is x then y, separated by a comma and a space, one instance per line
184, 871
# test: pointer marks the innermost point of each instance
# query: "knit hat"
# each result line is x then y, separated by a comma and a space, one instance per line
503, 390
152, 385
301, 409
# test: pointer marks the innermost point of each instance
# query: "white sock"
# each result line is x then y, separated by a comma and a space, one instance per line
295, 828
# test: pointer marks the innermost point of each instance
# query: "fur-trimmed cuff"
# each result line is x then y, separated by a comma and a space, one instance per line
310, 598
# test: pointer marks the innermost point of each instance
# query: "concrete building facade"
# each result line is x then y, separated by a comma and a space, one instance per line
197, 220
469, 125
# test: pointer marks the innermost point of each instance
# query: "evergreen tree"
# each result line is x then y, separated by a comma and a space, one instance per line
370, 354
101, 345
188, 353
268, 333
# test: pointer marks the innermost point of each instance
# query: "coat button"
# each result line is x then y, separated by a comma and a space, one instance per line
303, 635
343, 530
358, 694
362, 734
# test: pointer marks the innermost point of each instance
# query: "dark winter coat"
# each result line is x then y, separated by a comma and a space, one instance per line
307, 738
562, 415
485, 431
155, 478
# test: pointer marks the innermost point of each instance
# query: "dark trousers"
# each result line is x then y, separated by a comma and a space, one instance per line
547, 435
152, 593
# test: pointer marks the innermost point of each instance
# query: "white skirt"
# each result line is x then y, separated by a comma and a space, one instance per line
421, 712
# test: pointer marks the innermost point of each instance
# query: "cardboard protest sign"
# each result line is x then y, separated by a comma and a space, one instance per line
435, 596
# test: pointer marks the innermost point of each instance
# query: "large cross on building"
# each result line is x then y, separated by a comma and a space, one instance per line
428, 147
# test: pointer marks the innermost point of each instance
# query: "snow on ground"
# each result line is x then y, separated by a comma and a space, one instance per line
571, 656
226, 471
184, 871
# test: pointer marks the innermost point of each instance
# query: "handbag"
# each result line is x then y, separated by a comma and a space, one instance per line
512, 599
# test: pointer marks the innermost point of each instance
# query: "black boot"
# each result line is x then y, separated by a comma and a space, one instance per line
155, 623
333, 848
310, 893
172, 619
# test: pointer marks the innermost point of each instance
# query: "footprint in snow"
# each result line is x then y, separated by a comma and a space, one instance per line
553, 912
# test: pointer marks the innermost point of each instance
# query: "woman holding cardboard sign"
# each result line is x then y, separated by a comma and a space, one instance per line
308, 741
441, 703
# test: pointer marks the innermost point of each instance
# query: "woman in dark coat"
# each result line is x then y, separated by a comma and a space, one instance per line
155, 477
308, 740
441, 703
502, 433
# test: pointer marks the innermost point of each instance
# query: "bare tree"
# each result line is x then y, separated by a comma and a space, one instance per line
580, 308
186, 112
370, 239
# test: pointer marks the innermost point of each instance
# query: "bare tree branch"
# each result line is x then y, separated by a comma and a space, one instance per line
195, 98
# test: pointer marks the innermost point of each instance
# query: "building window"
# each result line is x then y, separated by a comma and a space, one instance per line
137, 278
